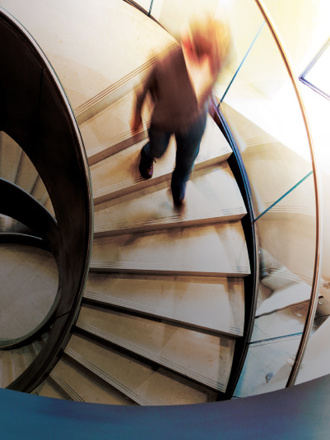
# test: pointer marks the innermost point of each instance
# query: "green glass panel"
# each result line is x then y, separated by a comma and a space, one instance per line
287, 236
263, 113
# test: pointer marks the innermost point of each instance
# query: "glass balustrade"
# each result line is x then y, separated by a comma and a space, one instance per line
145, 4
265, 118
287, 238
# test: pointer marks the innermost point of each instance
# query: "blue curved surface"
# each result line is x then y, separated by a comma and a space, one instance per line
301, 412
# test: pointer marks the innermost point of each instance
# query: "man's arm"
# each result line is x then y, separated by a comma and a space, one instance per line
149, 84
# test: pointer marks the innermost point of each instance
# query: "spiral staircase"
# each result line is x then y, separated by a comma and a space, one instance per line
158, 308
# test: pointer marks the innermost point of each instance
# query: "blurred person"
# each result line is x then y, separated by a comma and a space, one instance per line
180, 86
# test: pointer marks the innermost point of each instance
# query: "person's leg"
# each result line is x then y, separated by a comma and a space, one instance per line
187, 150
155, 148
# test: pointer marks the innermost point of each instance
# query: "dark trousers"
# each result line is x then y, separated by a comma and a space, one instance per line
187, 148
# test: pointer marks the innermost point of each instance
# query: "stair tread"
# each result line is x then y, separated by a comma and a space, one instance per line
22, 358
16, 167
119, 174
48, 389
27, 174
218, 249
215, 304
141, 383
109, 131
10, 153
203, 357
40, 192
6, 371
101, 35
14, 363
152, 208
82, 387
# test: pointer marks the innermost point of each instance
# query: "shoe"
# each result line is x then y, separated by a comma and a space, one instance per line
178, 203
146, 166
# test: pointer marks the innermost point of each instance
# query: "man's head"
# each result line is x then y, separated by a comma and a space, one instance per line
207, 36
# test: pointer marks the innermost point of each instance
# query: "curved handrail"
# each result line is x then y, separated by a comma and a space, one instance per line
318, 246
41, 121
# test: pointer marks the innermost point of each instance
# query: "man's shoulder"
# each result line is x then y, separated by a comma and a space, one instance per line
169, 55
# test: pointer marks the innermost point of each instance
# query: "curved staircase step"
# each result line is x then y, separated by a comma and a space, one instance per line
82, 387
10, 155
49, 389
171, 267
22, 358
14, 362
27, 175
109, 131
212, 196
16, 167
139, 382
6, 370
202, 357
119, 175
107, 33
40, 192
217, 250
214, 304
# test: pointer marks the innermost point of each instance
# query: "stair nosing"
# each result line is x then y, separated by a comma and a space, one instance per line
122, 268
66, 387
134, 184
175, 221
123, 80
105, 376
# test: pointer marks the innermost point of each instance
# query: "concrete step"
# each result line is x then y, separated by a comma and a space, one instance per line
40, 192
217, 250
80, 386
27, 175
16, 167
6, 370
109, 131
139, 382
212, 196
119, 175
202, 357
21, 359
213, 304
110, 33
10, 155
14, 362
49, 389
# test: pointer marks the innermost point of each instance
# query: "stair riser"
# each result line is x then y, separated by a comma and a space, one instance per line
231, 332
132, 270
106, 151
168, 225
104, 100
